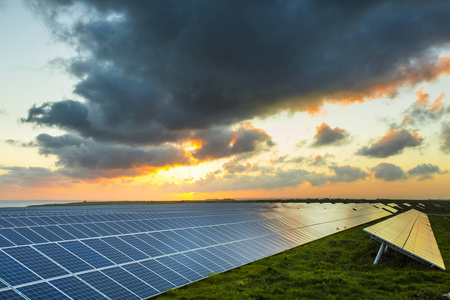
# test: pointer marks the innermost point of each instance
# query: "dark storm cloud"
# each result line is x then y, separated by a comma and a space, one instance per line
151, 70
75, 152
425, 171
388, 172
445, 136
391, 144
76, 116
326, 135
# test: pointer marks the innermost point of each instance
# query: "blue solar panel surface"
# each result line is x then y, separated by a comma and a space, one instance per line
138, 251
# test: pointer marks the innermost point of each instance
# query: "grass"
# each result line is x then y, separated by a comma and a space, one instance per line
336, 267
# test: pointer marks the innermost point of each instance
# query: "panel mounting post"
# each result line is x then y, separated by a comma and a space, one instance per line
380, 252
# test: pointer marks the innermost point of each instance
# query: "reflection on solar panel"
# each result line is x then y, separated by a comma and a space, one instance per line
138, 251
409, 233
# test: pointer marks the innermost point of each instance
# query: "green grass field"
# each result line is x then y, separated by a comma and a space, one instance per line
336, 267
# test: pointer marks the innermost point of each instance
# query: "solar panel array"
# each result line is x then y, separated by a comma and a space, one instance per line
138, 251
410, 233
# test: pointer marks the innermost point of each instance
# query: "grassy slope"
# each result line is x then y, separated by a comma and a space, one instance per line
337, 267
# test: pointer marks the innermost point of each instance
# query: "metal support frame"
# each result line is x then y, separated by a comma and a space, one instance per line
380, 252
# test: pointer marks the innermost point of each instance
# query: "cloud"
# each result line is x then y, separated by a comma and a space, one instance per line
18, 143
74, 152
2, 111
32, 177
388, 172
223, 142
347, 174
425, 171
341, 174
269, 179
150, 72
422, 111
319, 160
445, 136
392, 143
234, 166
277, 179
166, 84
325, 135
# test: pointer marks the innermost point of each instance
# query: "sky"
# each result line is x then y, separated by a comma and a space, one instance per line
190, 100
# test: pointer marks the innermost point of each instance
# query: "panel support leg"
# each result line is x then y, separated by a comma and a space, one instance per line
380, 252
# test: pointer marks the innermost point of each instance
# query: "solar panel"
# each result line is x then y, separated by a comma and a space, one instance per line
10, 295
107, 286
409, 233
138, 251
76, 289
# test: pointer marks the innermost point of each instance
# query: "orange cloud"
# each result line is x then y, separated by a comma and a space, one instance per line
386, 87
392, 143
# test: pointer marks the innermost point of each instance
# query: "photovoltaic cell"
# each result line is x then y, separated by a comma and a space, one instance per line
73, 231
47, 234
164, 248
14, 237
191, 264
13, 272
165, 272
141, 245
76, 289
124, 247
87, 254
85, 230
186, 272
35, 262
64, 235
63, 257
149, 277
132, 282
161, 236
30, 235
5, 224
10, 295
42, 290
4, 242
210, 265
107, 286
15, 222
108, 251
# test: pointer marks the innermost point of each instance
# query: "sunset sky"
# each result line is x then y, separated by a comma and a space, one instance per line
170, 100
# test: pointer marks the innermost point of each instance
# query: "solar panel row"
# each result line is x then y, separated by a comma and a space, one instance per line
409, 233
124, 252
